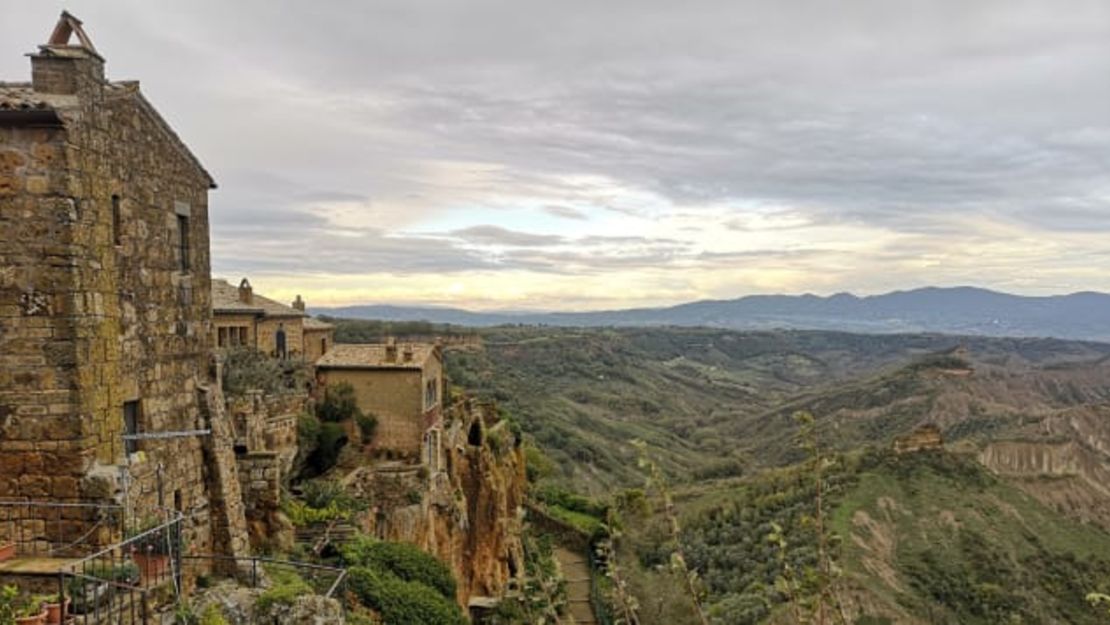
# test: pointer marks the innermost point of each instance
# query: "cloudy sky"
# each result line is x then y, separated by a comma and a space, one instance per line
591, 154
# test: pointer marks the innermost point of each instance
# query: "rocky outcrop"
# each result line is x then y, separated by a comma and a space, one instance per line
924, 438
469, 513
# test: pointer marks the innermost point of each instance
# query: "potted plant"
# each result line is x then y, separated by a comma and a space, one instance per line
30, 612
87, 592
151, 549
8, 597
56, 606
7, 549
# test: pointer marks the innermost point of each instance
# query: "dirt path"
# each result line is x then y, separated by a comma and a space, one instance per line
577, 573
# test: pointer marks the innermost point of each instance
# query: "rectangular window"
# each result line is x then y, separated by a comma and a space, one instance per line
117, 219
131, 421
221, 337
324, 345
183, 241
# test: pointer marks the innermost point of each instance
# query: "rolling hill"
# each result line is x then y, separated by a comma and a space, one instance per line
1008, 523
959, 310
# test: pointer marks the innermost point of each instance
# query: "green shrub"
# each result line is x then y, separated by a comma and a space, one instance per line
329, 443
322, 493
285, 590
303, 515
402, 602
405, 561
212, 616
340, 404
367, 426
308, 431
247, 369
555, 496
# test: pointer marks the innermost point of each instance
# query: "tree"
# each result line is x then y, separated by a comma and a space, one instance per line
655, 480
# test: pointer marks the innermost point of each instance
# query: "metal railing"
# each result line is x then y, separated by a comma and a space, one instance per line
59, 530
255, 571
130, 581
114, 584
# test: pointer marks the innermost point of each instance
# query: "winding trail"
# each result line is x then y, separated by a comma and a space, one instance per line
577, 573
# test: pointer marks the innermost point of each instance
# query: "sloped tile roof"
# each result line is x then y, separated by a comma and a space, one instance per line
373, 356
17, 96
225, 299
312, 323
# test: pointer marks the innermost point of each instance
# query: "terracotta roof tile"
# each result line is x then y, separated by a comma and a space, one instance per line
312, 323
21, 97
373, 356
225, 299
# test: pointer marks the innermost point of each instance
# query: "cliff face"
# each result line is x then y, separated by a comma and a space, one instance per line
1068, 468
468, 513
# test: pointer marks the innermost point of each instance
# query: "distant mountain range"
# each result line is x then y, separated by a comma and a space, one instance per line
958, 310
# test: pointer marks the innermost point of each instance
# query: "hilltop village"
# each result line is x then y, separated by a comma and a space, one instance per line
148, 409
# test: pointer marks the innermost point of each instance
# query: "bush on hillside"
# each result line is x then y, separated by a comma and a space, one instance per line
247, 369
403, 560
340, 404
555, 496
402, 602
323, 451
367, 426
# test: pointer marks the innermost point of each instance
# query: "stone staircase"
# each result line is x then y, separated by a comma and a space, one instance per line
577, 573
319, 536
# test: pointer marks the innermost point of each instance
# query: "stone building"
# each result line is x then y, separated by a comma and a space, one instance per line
401, 385
241, 317
105, 308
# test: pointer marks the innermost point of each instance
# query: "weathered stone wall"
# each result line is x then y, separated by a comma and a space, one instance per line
44, 449
394, 396
315, 341
233, 321
267, 329
268, 423
88, 324
260, 476
221, 479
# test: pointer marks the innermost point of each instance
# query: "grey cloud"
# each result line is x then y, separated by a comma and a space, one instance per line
565, 212
858, 112
496, 235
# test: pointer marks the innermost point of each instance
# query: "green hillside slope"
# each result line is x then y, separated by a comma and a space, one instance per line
923, 538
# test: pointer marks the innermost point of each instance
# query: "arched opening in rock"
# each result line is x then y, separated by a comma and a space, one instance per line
474, 436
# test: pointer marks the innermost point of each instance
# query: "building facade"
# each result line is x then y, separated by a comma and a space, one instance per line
401, 385
104, 289
243, 318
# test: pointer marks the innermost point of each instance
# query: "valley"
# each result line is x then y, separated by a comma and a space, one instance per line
1013, 498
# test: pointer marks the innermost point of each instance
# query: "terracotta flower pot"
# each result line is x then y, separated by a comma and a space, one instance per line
7, 551
38, 619
56, 612
153, 567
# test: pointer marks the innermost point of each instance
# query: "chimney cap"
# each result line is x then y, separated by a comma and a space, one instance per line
67, 26
246, 292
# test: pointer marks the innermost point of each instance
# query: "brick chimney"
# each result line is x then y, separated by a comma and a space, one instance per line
391, 349
298, 303
246, 292
64, 68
